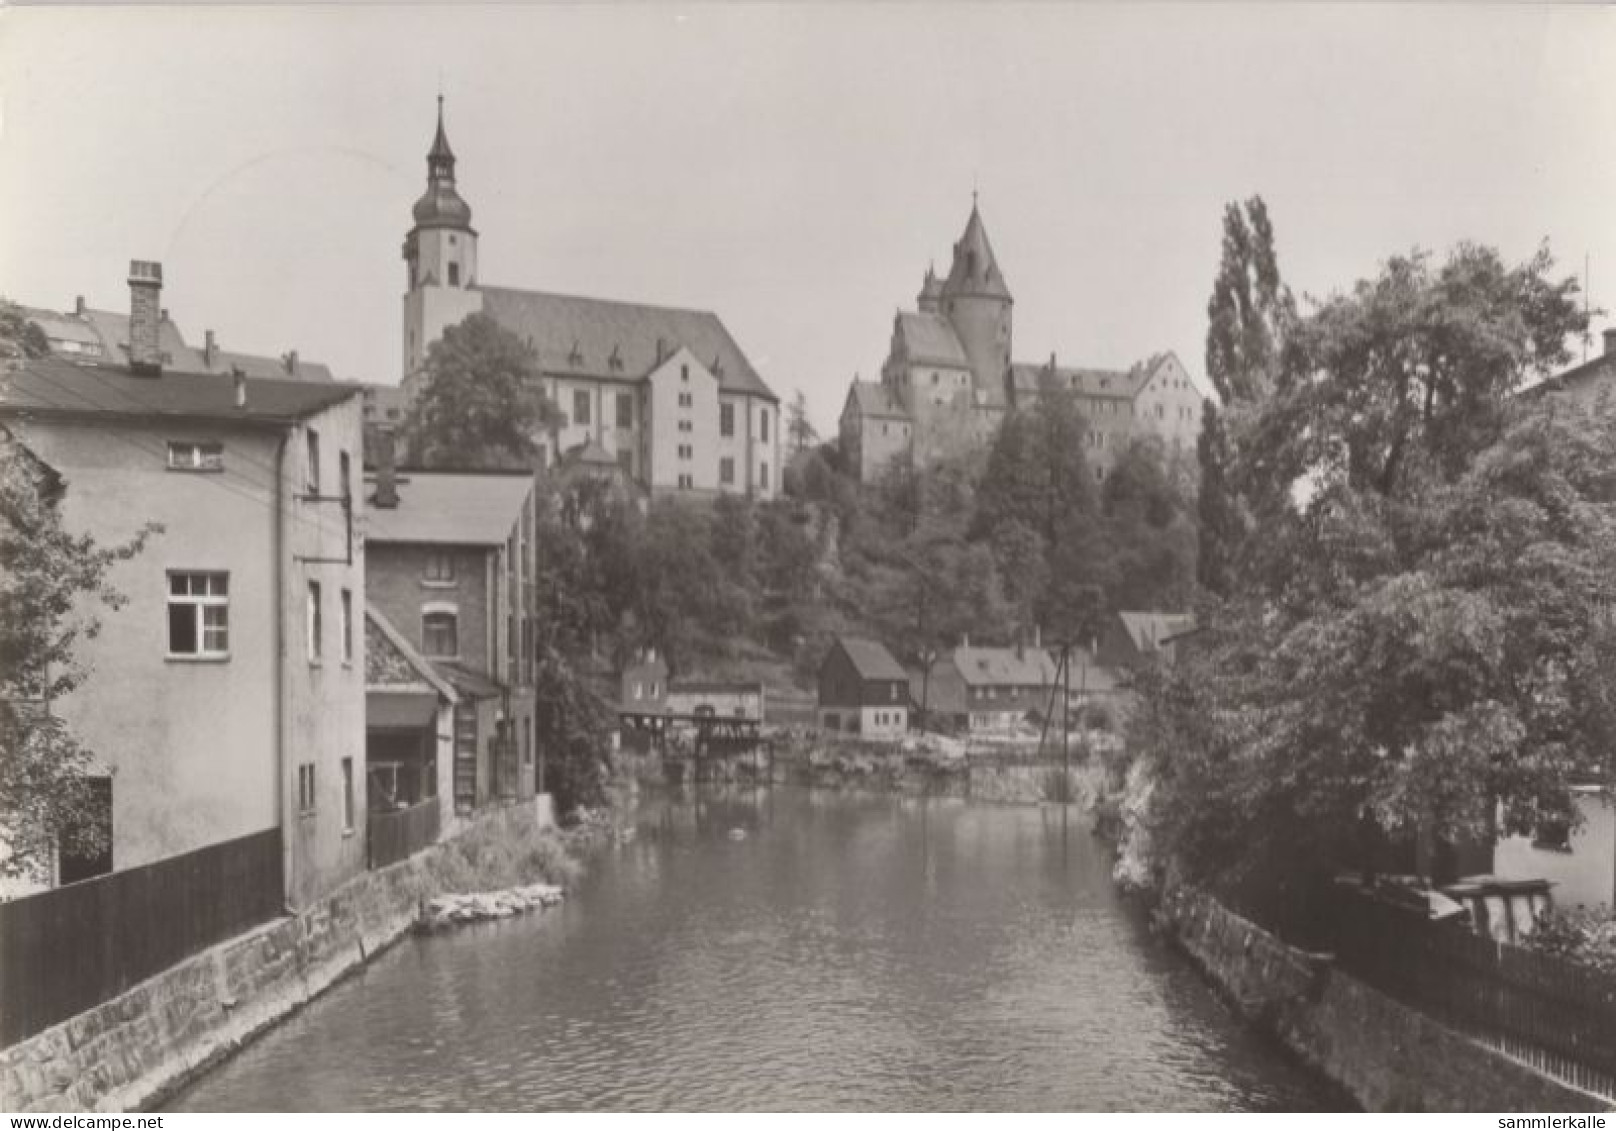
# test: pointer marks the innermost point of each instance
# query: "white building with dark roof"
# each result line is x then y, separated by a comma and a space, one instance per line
667, 392
949, 379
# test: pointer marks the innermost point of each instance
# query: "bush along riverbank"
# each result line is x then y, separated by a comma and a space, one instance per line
127, 1053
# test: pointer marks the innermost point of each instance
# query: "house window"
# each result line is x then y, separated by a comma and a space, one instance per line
625, 410
305, 788
763, 475
439, 634
580, 406
686, 400
316, 649
726, 470
440, 567
347, 795
345, 473
199, 614
347, 626
726, 420
454, 274
685, 426
314, 462
74, 864
686, 481
685, 451
763, 422
684, 373
188, 456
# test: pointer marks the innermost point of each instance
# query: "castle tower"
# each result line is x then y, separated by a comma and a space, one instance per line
930, 299
440, 254
976, 301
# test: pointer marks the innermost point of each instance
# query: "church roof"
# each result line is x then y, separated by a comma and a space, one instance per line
929, 337
871, 398
576, 337
441, 206
975, 270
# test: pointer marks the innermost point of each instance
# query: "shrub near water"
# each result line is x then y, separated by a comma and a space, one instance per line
487, 857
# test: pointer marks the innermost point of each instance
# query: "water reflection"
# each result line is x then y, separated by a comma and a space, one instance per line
769, 949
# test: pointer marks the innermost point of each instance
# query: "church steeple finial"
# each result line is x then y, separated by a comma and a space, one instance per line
441, 206
440, 158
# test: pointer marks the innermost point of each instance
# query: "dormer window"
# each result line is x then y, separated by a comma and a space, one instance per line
615, 361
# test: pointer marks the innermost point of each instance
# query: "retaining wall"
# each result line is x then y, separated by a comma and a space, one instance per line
126, 1053
1386, 1055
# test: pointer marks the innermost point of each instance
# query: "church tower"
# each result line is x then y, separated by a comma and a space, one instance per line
976, 301
440, 254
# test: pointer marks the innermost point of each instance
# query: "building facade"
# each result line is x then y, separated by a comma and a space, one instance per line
949, 378
986, 690
665, 392
863, 690
227, 694
451, 559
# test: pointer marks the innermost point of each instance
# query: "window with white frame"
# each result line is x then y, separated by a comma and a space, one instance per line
315, 626
347, 795
726, 420
726, 470
440, 568
305, 788
199, 614
440, 632
346, 613
313, 471
193, 455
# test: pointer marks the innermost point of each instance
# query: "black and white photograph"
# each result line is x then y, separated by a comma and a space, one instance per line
748, 557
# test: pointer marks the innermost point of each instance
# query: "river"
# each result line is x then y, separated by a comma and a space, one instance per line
780, 949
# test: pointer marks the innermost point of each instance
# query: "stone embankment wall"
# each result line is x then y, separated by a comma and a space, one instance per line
1385, 1055
126, 1053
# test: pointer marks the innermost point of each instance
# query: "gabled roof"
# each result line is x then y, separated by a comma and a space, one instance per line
577, 337
871, 398
1030, 667
403, 656
101, 337
450, 508
1084, 381
52, 385
929, 337
870, 659
975, 270
1150, 631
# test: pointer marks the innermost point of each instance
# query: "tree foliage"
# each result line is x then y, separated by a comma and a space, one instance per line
53, 586
1416, 634
481, 403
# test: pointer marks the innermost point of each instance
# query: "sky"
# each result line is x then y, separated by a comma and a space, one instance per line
792, 167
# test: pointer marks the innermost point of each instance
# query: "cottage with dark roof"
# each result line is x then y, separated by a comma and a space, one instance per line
985, 690
863, 690
665, 392
228, 705
949, 379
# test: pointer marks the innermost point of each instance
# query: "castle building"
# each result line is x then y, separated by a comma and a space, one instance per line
666, 393
949, 379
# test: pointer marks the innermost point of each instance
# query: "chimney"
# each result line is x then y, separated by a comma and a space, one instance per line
1610, 342
145, 314
240, 378
386, 496
210, 347
78, 305
289, 360
661, 350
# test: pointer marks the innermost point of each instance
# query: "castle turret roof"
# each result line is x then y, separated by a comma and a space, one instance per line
975, 270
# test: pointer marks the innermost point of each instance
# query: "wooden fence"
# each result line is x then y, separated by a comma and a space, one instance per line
1556, 1015
71, 948
393, 836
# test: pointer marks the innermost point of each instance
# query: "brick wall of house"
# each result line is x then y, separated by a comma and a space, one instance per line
396, 585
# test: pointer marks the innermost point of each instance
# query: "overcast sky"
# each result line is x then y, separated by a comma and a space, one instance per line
793, 168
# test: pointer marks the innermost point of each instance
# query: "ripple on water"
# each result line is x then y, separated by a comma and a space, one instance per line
851, 952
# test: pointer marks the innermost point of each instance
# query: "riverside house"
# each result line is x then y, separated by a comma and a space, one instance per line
450, 567
863, 690
986, 690
225, 703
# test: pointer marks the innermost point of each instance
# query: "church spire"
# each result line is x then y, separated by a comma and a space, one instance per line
441, 206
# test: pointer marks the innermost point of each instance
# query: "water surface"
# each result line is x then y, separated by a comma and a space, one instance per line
779, 949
